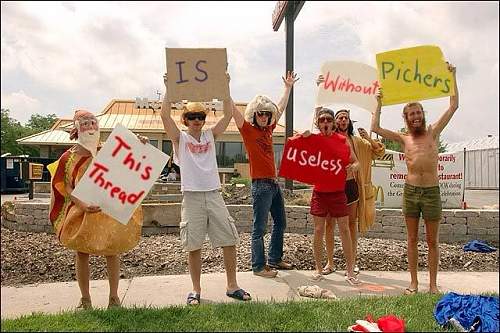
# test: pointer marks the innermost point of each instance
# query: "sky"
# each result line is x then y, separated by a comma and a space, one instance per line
60, 56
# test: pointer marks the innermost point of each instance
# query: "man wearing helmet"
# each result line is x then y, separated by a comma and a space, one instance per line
256, 128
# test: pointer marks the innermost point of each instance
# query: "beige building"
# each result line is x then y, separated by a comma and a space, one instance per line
143, 117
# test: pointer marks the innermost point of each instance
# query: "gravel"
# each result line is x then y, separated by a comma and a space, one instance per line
28, 258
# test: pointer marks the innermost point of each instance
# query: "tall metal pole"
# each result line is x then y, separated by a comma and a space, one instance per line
289, 21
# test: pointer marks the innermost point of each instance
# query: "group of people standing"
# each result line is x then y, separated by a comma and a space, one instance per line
204, 212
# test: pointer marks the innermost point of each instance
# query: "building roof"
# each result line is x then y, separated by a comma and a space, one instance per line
489, 142
137, 119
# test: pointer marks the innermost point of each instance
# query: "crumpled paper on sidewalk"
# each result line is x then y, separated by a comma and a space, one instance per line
316, 292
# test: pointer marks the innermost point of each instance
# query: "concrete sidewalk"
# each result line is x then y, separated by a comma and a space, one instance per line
172, 289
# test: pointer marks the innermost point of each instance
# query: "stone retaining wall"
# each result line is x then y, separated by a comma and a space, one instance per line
457, 225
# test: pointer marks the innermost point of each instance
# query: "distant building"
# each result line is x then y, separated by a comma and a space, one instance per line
143, 117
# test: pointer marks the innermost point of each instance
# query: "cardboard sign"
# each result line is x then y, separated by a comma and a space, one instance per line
197, 75
388, 179
348, 82
315, 159
414, 74
35, 171
121, 174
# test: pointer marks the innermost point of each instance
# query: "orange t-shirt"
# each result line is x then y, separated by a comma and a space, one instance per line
259, 146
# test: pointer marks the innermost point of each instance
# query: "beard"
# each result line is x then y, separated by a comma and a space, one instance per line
416, 130
89, 141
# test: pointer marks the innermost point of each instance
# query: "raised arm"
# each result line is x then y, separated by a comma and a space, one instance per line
222, 124
290, 80
441, 123
238, 117
169, 124
376, 147
375, 127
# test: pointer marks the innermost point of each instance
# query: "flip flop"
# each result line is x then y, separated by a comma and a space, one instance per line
239, 294
410, 291
317, 276
353, 281
327, 270
192, 297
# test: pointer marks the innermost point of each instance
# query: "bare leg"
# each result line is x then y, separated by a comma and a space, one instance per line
345, 237
329, 241
432, 237
194, 264
113, 265
83, 273
319, 230
230, 265
412, 238
353, 229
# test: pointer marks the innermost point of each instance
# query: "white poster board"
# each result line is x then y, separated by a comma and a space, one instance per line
121, 174
348, 82
388, 178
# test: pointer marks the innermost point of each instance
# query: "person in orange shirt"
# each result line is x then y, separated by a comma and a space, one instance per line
256, 128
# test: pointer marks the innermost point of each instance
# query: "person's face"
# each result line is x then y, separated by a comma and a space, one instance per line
325, 124
262, 118
415, 119
342, 121
195, 120
88, 125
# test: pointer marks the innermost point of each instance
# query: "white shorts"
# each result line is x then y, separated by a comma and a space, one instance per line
205, 213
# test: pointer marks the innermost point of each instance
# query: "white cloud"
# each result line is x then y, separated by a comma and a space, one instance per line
21, 106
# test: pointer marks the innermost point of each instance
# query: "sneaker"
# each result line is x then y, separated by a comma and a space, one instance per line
267, 272
85, 304
281, 265
356, 270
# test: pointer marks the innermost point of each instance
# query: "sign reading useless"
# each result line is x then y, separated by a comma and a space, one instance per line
197, 75
121, 175
348, 82
413, 74
316, 159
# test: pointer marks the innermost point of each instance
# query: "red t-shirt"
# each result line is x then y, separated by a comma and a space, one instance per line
259, 146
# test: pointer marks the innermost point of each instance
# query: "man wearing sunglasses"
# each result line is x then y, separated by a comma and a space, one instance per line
257, 128
360, 198
203, 209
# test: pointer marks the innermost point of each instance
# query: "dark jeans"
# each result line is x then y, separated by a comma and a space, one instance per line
267, 197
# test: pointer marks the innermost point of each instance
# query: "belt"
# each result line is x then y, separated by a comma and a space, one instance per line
265, 180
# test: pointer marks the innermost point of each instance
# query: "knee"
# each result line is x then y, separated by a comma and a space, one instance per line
412, 239
432, 242
319, 230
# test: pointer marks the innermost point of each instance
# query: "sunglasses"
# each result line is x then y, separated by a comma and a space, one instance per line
325, 119
264, 113
193, 116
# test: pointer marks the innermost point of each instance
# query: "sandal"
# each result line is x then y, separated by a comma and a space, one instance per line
239, 294
85, 304
353, 281
317, 276
411, 291
192, 298
327, 270
114, 303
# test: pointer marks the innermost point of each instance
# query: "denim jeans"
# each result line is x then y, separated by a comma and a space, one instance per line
267, 197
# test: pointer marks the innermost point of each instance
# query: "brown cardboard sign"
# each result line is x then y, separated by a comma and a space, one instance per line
35, 171
196, 75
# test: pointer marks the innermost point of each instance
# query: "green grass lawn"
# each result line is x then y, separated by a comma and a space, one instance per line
301, 316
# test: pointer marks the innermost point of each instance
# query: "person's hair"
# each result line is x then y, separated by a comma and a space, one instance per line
405, 109
405, 115
350, 127
325, 111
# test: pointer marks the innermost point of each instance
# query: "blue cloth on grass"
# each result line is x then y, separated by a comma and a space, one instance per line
478, 246
468, 310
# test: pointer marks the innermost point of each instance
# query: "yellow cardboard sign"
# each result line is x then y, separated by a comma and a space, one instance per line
413, 74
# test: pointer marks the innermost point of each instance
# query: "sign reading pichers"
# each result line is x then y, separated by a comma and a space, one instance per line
197, 75
316, 159
121, 175
348, 82
413, 74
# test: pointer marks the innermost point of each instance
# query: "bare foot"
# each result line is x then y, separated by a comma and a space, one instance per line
434, 291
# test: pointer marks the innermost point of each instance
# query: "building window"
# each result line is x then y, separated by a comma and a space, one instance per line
154, 143
278, 153
229, 153
166, 147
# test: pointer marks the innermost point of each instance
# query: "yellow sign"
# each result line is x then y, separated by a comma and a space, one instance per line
413, 74
35, 171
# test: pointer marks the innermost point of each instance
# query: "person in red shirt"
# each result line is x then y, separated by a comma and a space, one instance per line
329, 201
257, 128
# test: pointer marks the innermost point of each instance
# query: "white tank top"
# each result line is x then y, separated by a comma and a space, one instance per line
198, 162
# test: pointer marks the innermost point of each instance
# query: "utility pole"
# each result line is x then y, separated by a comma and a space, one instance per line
288, 10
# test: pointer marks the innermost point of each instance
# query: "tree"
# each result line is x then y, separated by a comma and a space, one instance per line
396, 146
13, 130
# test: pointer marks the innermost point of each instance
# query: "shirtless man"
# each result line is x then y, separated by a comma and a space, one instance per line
421, 192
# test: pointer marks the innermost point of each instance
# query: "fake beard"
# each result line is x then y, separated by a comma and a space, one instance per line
89, 141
